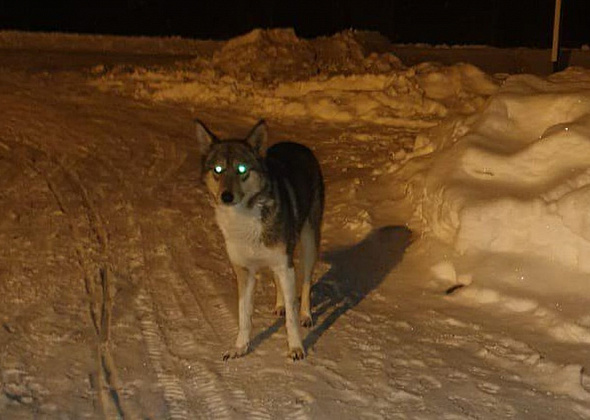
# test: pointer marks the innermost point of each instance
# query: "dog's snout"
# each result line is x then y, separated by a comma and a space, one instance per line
227, 197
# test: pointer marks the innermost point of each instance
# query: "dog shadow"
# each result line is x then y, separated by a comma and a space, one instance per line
355, 271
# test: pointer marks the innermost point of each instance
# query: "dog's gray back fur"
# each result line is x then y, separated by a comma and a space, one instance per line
298, 190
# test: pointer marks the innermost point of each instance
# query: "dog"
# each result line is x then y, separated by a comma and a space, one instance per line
267, 201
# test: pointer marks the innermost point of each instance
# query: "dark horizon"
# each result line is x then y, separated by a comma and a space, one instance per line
500, 23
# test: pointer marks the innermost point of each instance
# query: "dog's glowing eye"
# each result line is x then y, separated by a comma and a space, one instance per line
218, 169
242, 169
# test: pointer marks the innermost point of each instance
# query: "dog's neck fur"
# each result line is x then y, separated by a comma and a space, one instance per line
249, 234
250, 221
240, 222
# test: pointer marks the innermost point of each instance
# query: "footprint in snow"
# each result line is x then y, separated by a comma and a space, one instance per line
489, 388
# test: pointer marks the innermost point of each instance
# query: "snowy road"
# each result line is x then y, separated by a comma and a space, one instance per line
117, 299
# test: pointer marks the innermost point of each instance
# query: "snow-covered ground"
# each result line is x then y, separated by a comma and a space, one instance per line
116, 296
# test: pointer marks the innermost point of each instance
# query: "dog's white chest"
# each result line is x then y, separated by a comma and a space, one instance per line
242, 230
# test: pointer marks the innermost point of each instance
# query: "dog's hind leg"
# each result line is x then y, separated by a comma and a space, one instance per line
286, 276
246, 282
307, 259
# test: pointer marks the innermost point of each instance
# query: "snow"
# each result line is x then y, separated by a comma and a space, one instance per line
516, 180
325, 79
117, 298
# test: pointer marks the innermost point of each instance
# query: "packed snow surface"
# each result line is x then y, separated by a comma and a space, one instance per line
454, 280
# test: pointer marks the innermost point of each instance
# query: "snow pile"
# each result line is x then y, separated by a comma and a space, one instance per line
261, 54
462, 87
278, 54
384, 99
508, 189
518, 180
273, 73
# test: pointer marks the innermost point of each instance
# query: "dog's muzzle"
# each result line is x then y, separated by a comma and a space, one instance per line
227, 197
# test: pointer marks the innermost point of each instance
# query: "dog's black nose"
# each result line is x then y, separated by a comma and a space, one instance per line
227, 197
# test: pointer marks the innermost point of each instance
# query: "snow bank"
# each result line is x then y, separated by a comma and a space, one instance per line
508, 188
518, 180
275, 74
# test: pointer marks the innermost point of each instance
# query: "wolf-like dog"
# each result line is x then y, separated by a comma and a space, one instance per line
266, 201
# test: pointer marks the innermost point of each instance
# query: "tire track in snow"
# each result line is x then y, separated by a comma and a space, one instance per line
214, 306
100, 303
208, 305
180, 339
164, 321
173, 393
147, 302
298, 414
168, 382
137, 249
221, 320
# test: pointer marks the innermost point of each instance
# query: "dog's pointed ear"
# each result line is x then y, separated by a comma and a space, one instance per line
205, 138
258, 136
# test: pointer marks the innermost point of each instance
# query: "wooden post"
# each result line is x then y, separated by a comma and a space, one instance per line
555, 46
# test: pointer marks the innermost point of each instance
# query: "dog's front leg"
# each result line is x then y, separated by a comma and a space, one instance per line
280, 301
286, 276
246, 282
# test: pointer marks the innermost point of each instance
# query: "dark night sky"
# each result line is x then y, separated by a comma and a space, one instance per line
494, 22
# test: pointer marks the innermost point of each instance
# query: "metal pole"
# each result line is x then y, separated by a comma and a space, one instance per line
555, 46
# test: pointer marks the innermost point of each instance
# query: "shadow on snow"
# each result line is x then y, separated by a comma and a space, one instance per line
355, 271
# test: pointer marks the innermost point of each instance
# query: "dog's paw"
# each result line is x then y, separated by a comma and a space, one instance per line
306, 321
236, 353
279, 311
296, 353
